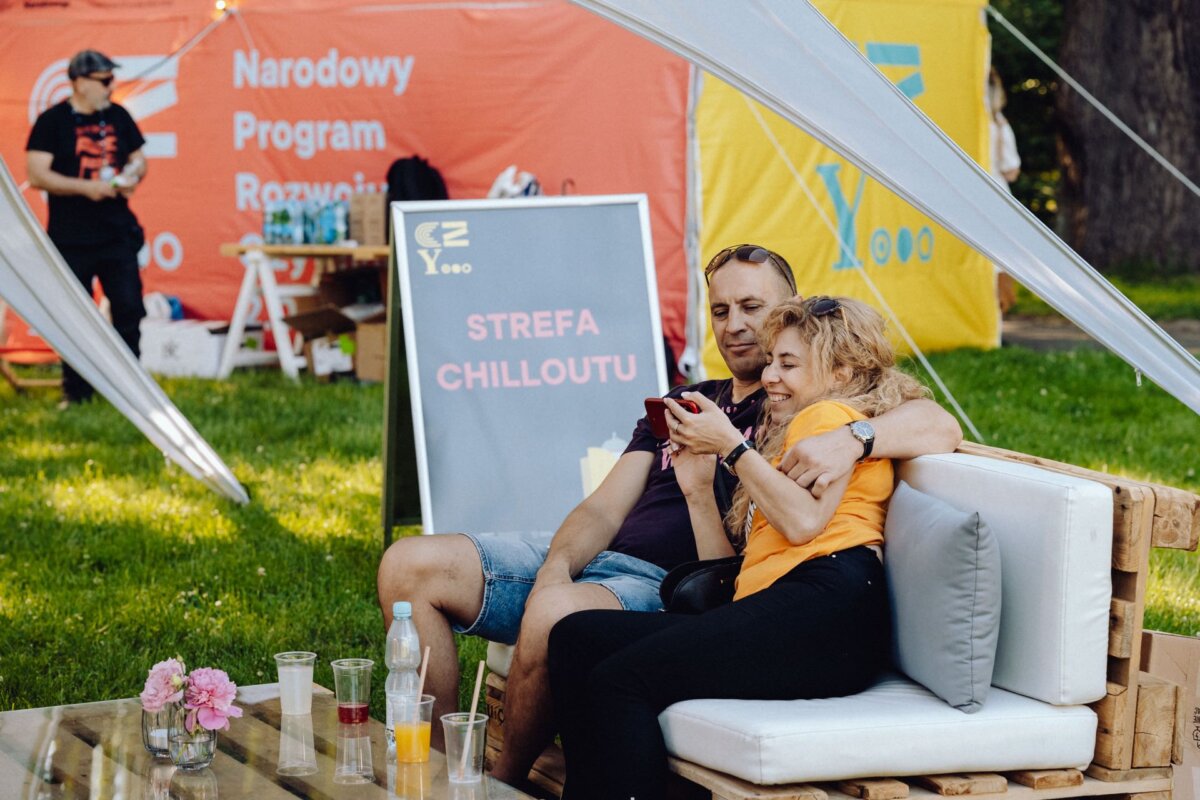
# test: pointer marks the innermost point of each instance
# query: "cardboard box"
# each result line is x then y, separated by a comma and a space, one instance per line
330, 355
188, 348
371, 353
329, 319
329, 335
1177, 659
368, 218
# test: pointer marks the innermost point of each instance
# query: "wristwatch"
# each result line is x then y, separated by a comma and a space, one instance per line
861, 429
737, 452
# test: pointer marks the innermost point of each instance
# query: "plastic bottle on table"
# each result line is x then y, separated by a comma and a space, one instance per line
341, 226
402, 655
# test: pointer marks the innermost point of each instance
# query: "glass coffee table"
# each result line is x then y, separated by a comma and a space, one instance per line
94, 750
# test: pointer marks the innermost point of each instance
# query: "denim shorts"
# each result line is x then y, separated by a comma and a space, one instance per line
510, 566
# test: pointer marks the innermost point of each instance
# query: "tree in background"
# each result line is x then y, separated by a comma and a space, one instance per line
1123, 211
1080, 175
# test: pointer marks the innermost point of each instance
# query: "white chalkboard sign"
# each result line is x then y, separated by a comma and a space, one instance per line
531, 336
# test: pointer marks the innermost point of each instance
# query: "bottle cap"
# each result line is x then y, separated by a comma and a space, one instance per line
402, 609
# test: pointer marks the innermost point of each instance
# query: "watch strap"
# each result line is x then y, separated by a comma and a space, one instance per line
868, 442
868, 446
737, 452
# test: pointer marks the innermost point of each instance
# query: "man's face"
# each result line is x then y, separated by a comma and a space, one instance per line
95, 88
739, 296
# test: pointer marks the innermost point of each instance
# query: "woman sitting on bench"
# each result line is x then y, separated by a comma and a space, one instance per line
809, 617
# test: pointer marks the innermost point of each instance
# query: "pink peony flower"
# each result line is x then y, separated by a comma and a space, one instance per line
209, 699
164, 684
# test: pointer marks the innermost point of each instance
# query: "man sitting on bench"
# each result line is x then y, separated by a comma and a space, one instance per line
613, 549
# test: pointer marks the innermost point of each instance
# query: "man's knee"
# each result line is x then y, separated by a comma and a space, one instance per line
424, 567
548, 606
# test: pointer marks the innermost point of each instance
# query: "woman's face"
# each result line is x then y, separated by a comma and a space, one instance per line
791, 378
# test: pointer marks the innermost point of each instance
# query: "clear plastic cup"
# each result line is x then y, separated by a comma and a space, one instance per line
465, 737
352, 684
411, 721
295, 681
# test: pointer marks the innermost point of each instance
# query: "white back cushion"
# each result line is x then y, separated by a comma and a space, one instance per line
1055, 535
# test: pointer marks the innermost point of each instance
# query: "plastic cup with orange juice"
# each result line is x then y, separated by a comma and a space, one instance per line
411, 718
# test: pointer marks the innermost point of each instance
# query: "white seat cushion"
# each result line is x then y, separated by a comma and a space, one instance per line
499, 658
897, 727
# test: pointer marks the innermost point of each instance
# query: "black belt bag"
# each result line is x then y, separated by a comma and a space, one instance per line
698, 586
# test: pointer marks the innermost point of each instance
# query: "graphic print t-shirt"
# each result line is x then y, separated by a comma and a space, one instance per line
658, 529
82, 144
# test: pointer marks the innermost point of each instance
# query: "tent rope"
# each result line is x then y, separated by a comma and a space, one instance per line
1103, 109
176, 54
241, 21
858, 267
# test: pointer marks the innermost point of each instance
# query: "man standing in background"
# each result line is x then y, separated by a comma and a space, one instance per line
86, 154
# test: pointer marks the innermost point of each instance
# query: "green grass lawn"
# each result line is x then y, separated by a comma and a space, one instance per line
1163, 300
111, 559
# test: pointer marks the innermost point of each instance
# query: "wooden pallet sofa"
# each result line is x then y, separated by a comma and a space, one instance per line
1069, 714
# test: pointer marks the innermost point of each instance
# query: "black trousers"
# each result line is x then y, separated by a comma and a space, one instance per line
823, 630
115, 265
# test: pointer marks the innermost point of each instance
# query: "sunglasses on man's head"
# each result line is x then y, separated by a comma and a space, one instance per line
753, 254
105, 81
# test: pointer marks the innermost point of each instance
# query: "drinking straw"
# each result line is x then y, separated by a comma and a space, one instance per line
462, 765
421, 679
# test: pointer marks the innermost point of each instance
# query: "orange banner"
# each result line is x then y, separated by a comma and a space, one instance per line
284, 100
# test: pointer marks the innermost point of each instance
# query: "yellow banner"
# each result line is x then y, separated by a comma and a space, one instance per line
941, 290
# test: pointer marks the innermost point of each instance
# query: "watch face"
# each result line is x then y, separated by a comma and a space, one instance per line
862, 430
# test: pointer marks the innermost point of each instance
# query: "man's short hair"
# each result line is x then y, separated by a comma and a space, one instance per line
85, 62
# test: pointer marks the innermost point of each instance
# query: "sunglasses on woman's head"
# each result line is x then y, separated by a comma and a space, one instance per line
753, 254
823, 306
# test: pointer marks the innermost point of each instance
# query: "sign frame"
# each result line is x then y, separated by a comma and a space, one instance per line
406, 457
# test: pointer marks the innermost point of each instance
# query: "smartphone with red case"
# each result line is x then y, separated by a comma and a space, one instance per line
656, 412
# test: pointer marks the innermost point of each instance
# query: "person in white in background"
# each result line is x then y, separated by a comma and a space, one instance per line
1005, 166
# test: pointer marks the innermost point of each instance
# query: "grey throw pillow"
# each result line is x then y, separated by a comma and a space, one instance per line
943, 572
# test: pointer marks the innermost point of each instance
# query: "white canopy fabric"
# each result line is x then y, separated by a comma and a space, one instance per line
40, 287
787, 56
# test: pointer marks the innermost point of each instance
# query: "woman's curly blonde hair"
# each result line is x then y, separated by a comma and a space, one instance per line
846, 342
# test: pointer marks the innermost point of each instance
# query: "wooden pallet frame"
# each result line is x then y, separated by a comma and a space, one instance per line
1137, 735
1136, 717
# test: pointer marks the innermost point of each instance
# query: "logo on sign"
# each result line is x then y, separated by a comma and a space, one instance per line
435, 237
885, 246
901, 57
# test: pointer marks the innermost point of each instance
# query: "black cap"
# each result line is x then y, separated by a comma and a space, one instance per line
85, 62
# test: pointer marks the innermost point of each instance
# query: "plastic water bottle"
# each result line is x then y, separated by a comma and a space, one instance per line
341, 226
402, 656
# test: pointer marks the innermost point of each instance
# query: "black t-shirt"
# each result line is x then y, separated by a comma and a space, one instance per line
81, 144
658, 529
